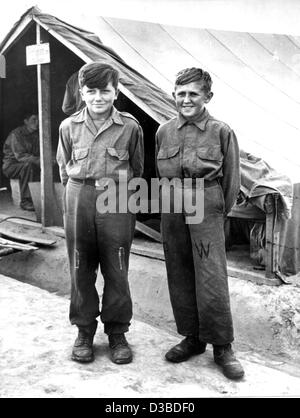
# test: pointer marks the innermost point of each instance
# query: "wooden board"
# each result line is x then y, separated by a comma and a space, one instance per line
26, 233
149, 232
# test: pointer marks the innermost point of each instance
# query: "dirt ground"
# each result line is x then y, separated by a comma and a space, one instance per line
36, 340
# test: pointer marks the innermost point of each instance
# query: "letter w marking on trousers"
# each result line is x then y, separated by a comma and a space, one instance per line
202, 249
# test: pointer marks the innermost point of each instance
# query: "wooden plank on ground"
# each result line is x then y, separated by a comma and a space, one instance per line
25, 234
147, 252
149, 232
16, 245
256, 277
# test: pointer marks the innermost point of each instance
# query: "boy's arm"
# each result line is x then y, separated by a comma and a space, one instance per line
136, 152
157, 145
64, 153
231, 170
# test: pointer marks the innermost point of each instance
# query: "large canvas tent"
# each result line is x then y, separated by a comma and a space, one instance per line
256, 80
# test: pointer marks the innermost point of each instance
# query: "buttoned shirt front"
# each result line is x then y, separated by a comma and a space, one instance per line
87, 153
206, 148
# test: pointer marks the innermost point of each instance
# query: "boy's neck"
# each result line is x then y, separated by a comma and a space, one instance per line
101, 117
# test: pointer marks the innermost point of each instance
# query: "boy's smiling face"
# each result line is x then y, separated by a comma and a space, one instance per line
190, 99
99, 101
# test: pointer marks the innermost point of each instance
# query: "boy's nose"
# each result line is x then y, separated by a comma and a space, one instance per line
186, 98
98, 95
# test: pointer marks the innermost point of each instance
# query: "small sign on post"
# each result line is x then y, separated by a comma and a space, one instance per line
37, 54
2, 66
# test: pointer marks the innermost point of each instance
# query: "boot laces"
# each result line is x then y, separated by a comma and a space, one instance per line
117, 339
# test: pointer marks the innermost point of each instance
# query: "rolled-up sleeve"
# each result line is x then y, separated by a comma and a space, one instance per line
231, 179
64, 152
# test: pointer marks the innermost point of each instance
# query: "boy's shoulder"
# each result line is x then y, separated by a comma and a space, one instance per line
213, 121
167, 125
72, 118
128, 117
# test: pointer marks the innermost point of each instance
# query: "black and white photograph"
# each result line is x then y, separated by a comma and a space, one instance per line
150, 202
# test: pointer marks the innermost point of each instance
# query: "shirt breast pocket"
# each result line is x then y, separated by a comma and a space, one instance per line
207, 161
80, 154
168, 162
80, 159
115, 161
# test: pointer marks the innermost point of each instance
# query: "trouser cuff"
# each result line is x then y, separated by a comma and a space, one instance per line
115, 328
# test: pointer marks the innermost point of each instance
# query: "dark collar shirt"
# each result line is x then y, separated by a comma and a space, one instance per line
84, 152
206, 148
21, 146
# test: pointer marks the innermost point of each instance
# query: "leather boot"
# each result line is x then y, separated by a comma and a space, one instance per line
188, 347
224, 357
119, 349
83, 347
26, 204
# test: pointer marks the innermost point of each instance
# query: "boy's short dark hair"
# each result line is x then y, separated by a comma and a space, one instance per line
98, 75
28, 113
190, 75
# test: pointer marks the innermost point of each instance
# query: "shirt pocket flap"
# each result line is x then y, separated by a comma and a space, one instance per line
80, 153
211, 153
121, 154
169, 152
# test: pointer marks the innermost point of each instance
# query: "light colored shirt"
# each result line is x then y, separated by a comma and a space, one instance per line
206, 148
87, 153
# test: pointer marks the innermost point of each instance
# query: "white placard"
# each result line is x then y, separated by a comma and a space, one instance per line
37, 54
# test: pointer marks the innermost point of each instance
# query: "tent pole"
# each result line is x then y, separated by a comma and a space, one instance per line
43, 80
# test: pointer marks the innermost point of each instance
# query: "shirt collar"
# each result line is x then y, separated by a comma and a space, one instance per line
116, 117
83, 115
200, 123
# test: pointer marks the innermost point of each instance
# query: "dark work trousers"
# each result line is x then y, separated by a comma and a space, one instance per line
25, 172
197, 271
95, 239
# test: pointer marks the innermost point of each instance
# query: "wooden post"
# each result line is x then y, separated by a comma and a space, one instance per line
274, 227
43, 80
269, 207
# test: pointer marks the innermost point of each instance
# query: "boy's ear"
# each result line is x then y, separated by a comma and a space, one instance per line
173, 94
209, 97
117, 94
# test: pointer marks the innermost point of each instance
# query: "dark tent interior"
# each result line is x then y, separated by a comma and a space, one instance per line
19, 93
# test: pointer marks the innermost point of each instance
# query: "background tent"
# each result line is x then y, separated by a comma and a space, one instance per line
257, 91
256, 78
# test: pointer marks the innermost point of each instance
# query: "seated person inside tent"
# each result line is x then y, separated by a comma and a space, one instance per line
21, 157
